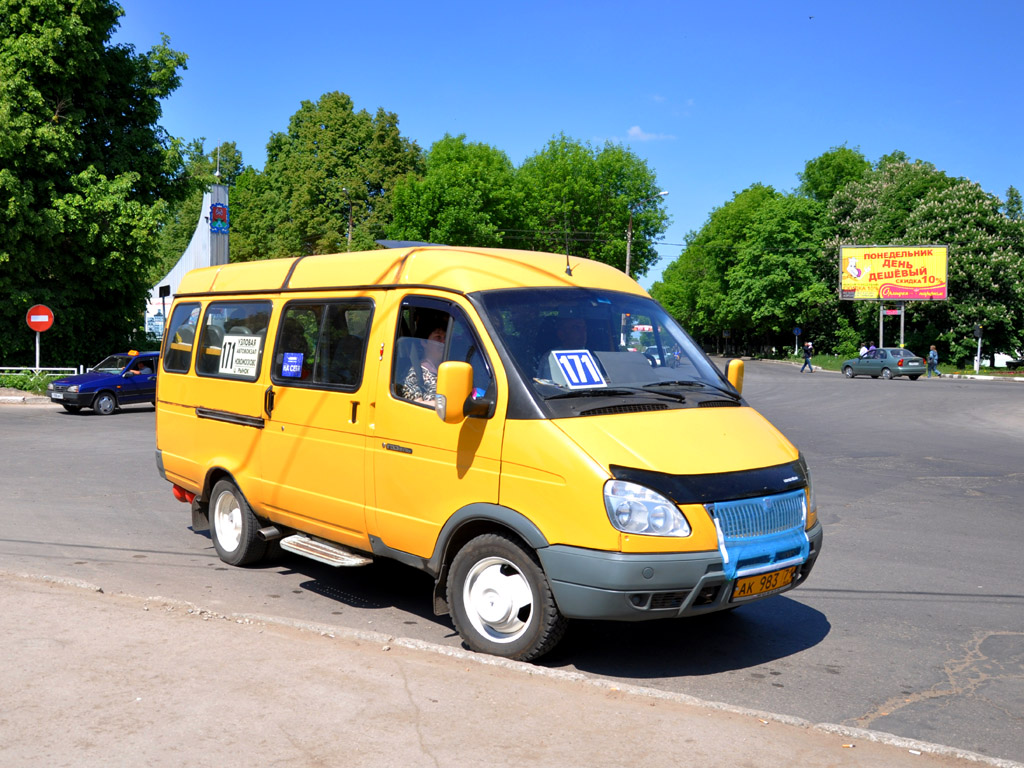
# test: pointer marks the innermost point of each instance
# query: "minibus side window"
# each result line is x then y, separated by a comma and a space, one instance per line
181, 333
232, 339
322, 344
426, 338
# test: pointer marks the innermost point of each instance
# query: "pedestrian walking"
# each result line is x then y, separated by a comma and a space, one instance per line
808, 352
933, 362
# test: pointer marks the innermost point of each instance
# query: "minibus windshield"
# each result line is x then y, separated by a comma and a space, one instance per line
578, 340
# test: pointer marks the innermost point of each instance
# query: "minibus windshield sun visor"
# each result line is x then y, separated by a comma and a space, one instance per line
565, 341
722, 486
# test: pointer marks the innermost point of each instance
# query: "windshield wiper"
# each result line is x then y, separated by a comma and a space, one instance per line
690, 383
676, 383
616, 392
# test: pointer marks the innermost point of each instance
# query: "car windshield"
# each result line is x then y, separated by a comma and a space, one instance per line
580, 342
113, 364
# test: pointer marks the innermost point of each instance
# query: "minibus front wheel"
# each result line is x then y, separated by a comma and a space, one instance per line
501, 601
233, 527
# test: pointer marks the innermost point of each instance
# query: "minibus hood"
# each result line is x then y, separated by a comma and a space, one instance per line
685, 441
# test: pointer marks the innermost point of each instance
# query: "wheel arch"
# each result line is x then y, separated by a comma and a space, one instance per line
465, 525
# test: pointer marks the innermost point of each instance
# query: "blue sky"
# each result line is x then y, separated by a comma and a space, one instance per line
714, 96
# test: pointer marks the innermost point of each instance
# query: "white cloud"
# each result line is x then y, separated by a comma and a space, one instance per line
636, 133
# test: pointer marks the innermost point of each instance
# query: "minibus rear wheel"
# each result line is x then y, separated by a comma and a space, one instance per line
500, 599
233, 526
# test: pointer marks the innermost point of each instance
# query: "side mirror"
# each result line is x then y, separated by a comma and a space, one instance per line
734, 373
454, 386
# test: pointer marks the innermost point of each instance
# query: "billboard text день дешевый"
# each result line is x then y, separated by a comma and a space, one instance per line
893, 272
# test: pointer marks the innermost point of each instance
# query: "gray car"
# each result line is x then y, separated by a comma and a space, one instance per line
886, 362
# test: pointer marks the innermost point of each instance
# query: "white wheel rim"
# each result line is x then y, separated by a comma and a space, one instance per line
495, 593
227, 521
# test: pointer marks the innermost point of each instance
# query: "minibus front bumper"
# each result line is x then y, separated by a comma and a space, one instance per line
590, 584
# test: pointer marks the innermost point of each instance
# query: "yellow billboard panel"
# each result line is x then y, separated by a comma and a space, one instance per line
893, 272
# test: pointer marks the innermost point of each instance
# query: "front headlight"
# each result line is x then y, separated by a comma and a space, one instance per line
812, 502
633, 508
73, 388
49, 387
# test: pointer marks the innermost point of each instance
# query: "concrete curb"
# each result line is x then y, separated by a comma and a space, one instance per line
817, 369
330, 631
24, 399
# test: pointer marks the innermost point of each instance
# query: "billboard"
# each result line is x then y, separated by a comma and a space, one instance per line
893, 272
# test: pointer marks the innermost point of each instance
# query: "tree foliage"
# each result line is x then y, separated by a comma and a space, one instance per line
332, 161
465, 197
751, 271
84, 173
577, 199
766, 261
826, 174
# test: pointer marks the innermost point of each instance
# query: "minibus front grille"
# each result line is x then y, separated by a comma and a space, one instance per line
747, 518
718, 404
637, 408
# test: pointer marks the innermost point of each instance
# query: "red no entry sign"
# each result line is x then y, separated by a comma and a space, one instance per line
39, 318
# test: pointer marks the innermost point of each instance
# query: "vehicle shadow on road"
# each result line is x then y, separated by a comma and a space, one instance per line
382, 585
755, 634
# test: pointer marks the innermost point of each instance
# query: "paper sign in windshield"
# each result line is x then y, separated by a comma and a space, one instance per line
579, 368
240, 355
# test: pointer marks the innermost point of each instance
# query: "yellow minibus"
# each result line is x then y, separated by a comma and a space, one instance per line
532, 430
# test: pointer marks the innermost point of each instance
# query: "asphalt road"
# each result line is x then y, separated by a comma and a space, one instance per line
912, 622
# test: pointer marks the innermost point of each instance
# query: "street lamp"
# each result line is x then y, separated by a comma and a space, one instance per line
629, 229
345, 190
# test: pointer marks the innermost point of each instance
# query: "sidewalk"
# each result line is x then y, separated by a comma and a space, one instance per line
98, 680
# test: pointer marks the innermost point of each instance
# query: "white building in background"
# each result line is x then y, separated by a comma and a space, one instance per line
208, 247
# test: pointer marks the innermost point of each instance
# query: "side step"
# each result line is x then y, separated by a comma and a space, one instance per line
324, 551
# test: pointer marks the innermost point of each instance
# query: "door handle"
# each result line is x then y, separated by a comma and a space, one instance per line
268, 400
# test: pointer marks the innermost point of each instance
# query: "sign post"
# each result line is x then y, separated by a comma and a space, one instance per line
796, 340
39, 318
977, 358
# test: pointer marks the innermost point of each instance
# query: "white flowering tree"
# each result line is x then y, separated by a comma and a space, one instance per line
985, 265
912, 203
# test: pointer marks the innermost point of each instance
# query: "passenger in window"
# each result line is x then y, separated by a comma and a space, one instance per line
420, 383
140, 368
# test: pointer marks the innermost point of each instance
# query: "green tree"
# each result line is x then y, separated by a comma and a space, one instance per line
911, 203
84, 168
774, 284
695, 288
577, 199
330, 161
465, 197
985, 264
1013, 207
826, 174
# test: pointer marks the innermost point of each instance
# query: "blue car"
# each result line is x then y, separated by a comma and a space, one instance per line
121, 379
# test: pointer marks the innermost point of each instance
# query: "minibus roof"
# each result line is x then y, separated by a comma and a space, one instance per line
461, 269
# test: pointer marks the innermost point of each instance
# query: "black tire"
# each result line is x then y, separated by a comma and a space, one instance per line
848, 372
500, 599
233, 526
915, 377
105, 403
886, 373
71, 408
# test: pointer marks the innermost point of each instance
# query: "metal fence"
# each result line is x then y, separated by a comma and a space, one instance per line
48, 371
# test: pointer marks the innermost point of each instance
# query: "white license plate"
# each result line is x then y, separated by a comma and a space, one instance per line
57, 395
